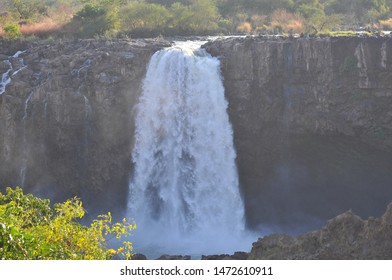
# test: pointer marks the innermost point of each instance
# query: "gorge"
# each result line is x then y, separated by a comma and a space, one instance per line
311, 123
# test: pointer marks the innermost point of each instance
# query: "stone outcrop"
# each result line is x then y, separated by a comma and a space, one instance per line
174, 257
139, 257
236, 256
312, 126
345, 237
66, 119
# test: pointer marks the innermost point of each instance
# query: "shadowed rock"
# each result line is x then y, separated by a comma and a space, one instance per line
174, 257
312, 126
235, 256
345, 237
66, 120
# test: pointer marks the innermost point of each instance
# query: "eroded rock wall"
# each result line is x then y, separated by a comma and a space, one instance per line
67, 120
312, 125
345, 237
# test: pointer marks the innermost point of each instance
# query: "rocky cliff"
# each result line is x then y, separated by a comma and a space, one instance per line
346, 236
66, 119
311, 119
312, 126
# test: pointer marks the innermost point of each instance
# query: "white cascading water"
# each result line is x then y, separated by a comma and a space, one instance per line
6, 77
16, 65
184, 194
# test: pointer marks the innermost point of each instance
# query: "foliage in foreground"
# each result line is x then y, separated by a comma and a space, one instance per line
31, 229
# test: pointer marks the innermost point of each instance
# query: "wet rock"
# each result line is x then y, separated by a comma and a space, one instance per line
174, 257
235, 256
138, 257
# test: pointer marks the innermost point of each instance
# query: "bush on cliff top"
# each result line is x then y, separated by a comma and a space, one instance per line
150, 18
12, 32
31, 229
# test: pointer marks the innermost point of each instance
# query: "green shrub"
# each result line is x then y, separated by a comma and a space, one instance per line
90, 11
31, 229
12, 32
95, 20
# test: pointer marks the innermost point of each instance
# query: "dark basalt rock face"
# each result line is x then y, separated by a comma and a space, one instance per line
139, 257
312, 126
67, 118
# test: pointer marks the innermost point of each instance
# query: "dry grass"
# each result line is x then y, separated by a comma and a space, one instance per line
42, 28
46, 26
386, 24
287, 22
244, 27
53, 23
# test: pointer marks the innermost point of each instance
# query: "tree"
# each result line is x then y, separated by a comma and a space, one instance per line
168, 3
205, 15
140, 15
27, 10
267, 6
31, 229
97, 17
321, 22
357, 8
198, 17
380, 10
309, 8
180, 17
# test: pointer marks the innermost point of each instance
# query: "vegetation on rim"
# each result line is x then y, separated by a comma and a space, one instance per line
149, 18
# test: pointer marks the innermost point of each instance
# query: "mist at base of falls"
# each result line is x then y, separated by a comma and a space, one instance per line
184, 193
155, 242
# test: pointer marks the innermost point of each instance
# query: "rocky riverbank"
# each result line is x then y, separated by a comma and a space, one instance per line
345, 237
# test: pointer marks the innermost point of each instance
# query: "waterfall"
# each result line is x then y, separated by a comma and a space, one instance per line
22, 172
16, 64
87, 125
6, 77
184, 193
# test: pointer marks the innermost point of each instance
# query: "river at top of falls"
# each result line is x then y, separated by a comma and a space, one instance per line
184, 193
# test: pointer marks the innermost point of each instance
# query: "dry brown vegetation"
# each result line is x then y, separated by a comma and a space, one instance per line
44, 27
386, 24
244, 27
285, 21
